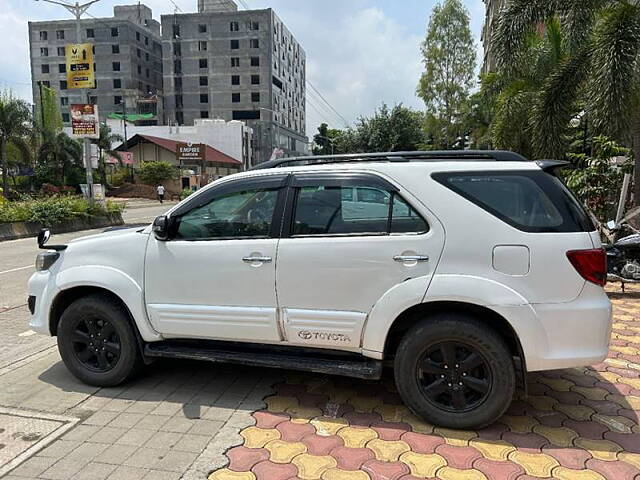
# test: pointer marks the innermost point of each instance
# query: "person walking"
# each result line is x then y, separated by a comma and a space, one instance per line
160, 192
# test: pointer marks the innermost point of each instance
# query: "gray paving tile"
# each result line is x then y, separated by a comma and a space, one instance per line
162, 475
192, 443
146, 457
176, 461
163, 440
178, 424
206, 427
135, 436
86, 452
59, 448
115, 454
82, 433
63, 469
126, 420
125, 472
100, 418
33, 467
152, 422
142, 406
108, 434
95, 471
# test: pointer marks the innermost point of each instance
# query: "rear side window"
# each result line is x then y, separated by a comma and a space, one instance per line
535, 202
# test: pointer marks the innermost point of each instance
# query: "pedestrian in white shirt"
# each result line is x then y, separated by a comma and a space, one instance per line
160, 192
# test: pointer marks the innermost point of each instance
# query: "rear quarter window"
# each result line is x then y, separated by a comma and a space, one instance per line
536, 201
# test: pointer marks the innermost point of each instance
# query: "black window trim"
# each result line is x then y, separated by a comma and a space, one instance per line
342, 179
263, 182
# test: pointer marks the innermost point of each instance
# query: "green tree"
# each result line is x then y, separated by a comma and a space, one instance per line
155, 173
105, 147
390, 130
602, 65
449, 58
58, 156
15, 118
324, 142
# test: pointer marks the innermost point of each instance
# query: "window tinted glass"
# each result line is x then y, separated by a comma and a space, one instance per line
324, 210
529, 201
237, 215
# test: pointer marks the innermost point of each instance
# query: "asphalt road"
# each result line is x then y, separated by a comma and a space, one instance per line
17, 259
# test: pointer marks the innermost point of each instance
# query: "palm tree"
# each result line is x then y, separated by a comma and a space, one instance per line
60, 151
602, 65
105, 146
15, 118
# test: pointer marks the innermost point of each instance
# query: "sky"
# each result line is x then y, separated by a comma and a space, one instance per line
360, 53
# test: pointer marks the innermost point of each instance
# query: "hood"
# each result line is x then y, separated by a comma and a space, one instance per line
119, 232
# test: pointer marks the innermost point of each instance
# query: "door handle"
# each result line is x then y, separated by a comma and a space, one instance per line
257, 259
411, 258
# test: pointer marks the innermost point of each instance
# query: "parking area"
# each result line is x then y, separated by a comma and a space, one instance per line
194, 420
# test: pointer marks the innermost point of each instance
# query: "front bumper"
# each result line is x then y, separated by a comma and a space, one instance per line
40, 289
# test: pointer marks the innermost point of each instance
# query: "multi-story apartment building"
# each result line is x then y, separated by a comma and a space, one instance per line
128, 61
493, 8
236, 65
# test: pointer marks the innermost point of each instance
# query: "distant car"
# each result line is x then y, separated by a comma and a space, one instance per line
459, 269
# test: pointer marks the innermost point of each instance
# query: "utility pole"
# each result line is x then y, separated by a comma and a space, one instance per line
124, 124
77, 11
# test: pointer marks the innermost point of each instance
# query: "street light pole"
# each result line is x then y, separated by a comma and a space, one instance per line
77, 11
330, 142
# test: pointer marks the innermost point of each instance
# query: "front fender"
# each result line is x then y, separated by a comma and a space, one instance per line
118, 283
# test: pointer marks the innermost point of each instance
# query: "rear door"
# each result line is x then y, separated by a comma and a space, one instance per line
348, 239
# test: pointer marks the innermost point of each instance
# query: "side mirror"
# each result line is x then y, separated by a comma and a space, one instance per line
161, 228
43, 237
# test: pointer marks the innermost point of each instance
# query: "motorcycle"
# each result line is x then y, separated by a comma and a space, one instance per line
623, 255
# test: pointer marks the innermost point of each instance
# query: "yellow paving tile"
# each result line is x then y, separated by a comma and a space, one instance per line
497, 450
303, 414
592, 393
450, 473
535, 464
417, 425
615, 423
388, 451
457, 438
627, 338
576, 412
630, 458
563, 473
255, 437
357, 437
607, 376
600, 449
283, 452
337, 474
625, 402
312, 467
423, 465
365, 404
632, 382
392, 413
559, 384
280, 404
326, 426
624, 350
541, 402
226, 474
519, 424
559, 436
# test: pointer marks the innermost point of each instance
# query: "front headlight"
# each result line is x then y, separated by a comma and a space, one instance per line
44, 260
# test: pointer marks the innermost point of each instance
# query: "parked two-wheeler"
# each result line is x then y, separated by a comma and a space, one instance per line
623, 255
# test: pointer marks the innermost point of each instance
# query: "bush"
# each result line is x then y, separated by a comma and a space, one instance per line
120, 177
185, 193
154, 173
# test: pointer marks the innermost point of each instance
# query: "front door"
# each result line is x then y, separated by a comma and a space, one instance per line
216, 278
350, 238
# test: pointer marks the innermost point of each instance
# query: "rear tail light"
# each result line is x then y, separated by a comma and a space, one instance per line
590, 264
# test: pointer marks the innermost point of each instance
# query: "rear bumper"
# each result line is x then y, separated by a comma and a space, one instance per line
565, 335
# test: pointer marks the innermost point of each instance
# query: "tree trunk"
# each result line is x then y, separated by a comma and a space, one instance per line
5, 168
635, 135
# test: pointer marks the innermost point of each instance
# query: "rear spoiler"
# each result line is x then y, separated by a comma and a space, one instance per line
551, 166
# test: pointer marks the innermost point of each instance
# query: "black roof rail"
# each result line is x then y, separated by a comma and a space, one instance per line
426, 156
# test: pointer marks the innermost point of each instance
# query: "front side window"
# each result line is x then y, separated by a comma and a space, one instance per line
246, 214
326, 210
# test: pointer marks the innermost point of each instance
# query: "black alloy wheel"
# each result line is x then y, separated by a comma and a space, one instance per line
96, 344
454, 376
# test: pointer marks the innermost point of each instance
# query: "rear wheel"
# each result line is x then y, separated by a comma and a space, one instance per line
97, 343
454, 372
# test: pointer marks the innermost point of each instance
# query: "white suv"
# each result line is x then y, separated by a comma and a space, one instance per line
462, 270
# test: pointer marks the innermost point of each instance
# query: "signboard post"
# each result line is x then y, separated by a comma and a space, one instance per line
192, 154
80, 73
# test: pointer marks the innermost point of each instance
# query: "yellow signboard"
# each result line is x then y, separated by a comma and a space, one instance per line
80, 72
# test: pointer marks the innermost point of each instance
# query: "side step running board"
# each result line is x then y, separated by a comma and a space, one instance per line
352, 366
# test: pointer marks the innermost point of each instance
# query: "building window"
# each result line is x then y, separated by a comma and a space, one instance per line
176, 30
44, 68
114, 32
177, 49
177, 66
178, 101
44, 52
235, 79
146, 40
146, 56
117, 83
179, 118
115, 49
235, 61
93, 100
65, 117
138, 36
62, 67
115, 66
235, 44
235, 97
255, 96
61, 52
202, 46
46, 83
91, 33
204, 63
204, 98
63, 84
204, 114
234, 26
138, 53
117, 100
139, 69
202, 28
255, 79
44, 36
204, 81
146, 72
255, 61
254, 25
254, 43
178, 82
64, 101
60, 34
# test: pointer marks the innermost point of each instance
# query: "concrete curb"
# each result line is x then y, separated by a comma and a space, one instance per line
14, 231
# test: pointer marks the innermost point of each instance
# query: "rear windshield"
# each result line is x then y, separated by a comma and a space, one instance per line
535, 202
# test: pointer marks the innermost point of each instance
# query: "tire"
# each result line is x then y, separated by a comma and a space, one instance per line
111, 356
471, 396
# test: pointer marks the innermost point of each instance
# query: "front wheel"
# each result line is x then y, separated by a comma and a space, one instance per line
97, 342
455, 372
